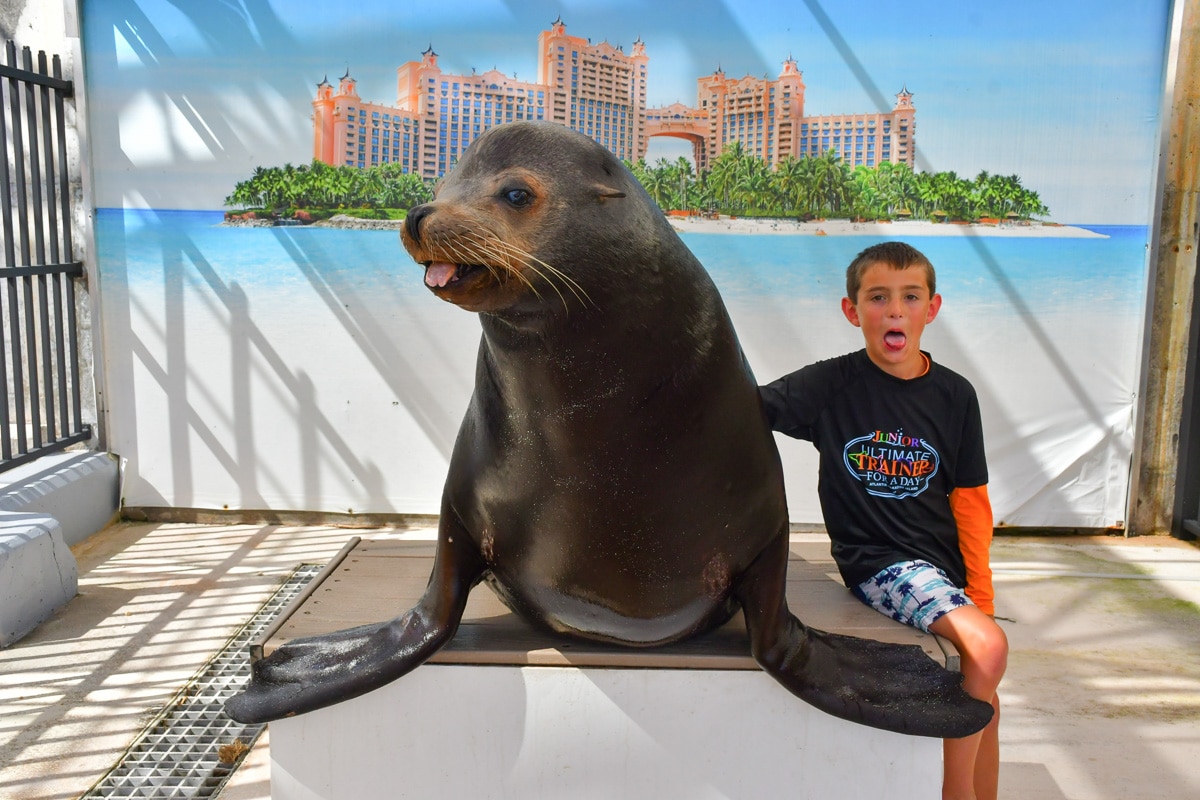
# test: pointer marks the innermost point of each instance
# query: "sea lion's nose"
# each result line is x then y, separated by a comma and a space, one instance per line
412, 222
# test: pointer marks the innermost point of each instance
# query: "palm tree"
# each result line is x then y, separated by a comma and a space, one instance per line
759, 187
751, 183
683, 168
724, 171
949, 194
904, 188
639, 170
658, 183
833, 187
702, 192
789, 182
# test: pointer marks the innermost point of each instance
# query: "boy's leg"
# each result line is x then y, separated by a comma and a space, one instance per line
918, 594
972, 764
987, 759
890, 686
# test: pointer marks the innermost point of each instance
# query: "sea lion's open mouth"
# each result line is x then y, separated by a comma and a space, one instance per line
440, 274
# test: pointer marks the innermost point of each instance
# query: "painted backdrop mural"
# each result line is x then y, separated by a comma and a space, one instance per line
268, 343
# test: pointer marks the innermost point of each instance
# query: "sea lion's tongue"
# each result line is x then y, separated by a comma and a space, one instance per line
439, 274
893, 339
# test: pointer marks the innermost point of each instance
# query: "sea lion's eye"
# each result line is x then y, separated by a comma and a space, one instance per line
518, 198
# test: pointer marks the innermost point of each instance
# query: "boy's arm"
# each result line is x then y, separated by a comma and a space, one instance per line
780, 402
973, 515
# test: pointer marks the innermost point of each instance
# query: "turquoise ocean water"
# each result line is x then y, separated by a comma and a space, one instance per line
1037, 275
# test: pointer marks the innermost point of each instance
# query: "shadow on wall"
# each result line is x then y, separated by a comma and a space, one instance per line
214, 403
193, 132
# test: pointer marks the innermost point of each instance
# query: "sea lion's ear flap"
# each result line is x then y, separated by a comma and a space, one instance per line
608, 192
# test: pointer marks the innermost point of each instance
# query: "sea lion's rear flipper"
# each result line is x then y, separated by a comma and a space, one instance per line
317, 671
890, 686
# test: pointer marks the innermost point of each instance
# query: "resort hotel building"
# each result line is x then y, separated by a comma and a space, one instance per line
598, 90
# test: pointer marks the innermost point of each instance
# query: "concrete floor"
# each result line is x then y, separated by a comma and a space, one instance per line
1101, 699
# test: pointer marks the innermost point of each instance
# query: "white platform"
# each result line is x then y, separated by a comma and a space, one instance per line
537, 733
504, 711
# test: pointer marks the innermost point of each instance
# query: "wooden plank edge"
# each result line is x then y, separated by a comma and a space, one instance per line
949, 653
257, 647
555, 657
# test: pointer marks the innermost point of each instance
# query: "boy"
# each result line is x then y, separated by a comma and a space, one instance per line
903, 483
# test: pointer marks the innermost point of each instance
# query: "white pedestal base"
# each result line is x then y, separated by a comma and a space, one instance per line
529, 733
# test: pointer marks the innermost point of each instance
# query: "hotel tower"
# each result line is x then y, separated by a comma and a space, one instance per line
598, 90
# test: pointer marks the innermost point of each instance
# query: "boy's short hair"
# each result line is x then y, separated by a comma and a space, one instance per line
897, 255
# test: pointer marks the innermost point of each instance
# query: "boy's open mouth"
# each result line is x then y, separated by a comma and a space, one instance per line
894, 340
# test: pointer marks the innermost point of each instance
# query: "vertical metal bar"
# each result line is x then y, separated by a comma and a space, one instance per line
10, 257
14, 311
76, 395
9, 260
5, 429
31, 343
64, 189
31, 370
58, 154
46, 349
71, 337
17, 383
40, 154
48, 147
18, 139
60, 342
35, 164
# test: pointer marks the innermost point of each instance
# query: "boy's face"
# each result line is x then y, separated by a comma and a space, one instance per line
892, 309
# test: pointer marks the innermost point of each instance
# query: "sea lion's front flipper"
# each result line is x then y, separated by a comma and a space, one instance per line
317, 671
890, 686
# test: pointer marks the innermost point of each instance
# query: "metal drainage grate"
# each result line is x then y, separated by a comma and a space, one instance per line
189, 751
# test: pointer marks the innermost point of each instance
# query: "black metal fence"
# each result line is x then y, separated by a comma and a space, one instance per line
40, 412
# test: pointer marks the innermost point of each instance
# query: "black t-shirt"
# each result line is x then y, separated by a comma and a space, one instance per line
891, 452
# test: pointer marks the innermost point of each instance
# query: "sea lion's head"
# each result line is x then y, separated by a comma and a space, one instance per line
535, 216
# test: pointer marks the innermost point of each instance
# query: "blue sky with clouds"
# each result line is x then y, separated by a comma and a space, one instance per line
187, 96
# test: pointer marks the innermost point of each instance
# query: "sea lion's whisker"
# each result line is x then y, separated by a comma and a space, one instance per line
566, 308
527, 257
579, 292
464, 253
502, 252
491, 247
530, 260
458, 254
484, 251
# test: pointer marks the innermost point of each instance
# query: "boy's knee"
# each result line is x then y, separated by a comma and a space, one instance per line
992, 651
978, 638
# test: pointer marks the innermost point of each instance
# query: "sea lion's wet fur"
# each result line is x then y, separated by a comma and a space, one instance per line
613, 477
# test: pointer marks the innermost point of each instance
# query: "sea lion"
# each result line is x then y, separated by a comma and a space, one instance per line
613, 478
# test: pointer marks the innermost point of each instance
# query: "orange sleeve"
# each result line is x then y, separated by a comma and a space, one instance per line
973, 515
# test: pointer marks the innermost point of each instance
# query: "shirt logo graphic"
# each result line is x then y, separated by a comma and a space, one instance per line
891, 464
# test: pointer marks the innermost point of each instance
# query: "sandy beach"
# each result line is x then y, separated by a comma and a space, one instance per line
768, 227
842, 227
739, 225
